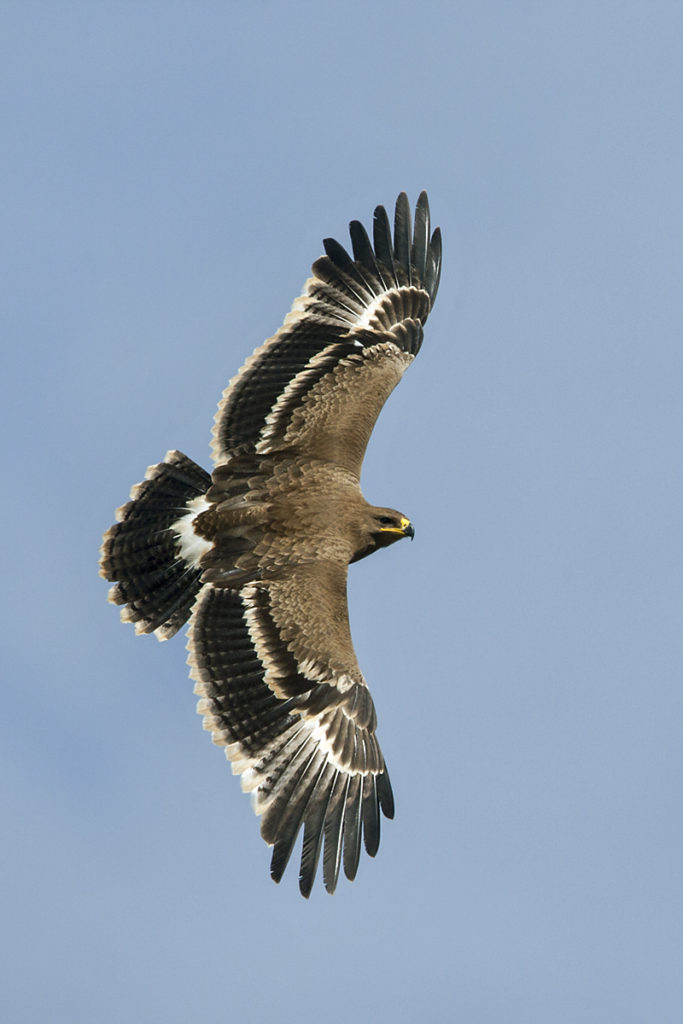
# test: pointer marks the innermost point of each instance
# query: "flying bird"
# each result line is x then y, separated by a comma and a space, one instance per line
255, 555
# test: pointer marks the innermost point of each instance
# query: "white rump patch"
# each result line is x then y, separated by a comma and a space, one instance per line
192, 546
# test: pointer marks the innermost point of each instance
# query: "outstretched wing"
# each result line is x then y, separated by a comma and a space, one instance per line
280, 688
318, 385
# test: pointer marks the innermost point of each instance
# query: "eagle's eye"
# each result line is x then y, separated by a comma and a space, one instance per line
386, 520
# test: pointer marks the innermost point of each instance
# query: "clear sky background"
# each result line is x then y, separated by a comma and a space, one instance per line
169, 170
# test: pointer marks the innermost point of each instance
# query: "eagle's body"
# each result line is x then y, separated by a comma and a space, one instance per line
256, 555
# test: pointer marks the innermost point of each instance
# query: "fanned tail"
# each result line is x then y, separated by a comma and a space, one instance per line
150, 555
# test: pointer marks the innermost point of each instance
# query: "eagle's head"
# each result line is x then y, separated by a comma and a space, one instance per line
380, 528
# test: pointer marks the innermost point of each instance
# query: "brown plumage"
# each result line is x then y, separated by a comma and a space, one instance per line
256, 555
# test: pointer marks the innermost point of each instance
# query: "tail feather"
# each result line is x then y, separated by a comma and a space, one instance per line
143, 554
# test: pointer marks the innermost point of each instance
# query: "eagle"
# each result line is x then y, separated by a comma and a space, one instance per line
255, 555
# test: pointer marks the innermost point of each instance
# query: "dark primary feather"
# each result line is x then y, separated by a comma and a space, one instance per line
334, 830
364, 255
352, 827
314, 828
384, 249
370, 814
421, 238
402, 238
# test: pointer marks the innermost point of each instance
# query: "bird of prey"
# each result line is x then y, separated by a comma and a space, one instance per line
256, 554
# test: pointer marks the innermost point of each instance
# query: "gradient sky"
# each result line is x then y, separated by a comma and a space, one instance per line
169, 171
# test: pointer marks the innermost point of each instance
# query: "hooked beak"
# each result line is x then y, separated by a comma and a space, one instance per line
404, 529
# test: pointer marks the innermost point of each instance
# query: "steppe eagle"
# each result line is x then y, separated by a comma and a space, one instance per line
256, 554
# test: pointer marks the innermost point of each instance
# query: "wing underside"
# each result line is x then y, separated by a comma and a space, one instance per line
305, 747
370, 306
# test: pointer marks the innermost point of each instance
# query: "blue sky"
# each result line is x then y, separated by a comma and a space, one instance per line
169, 172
